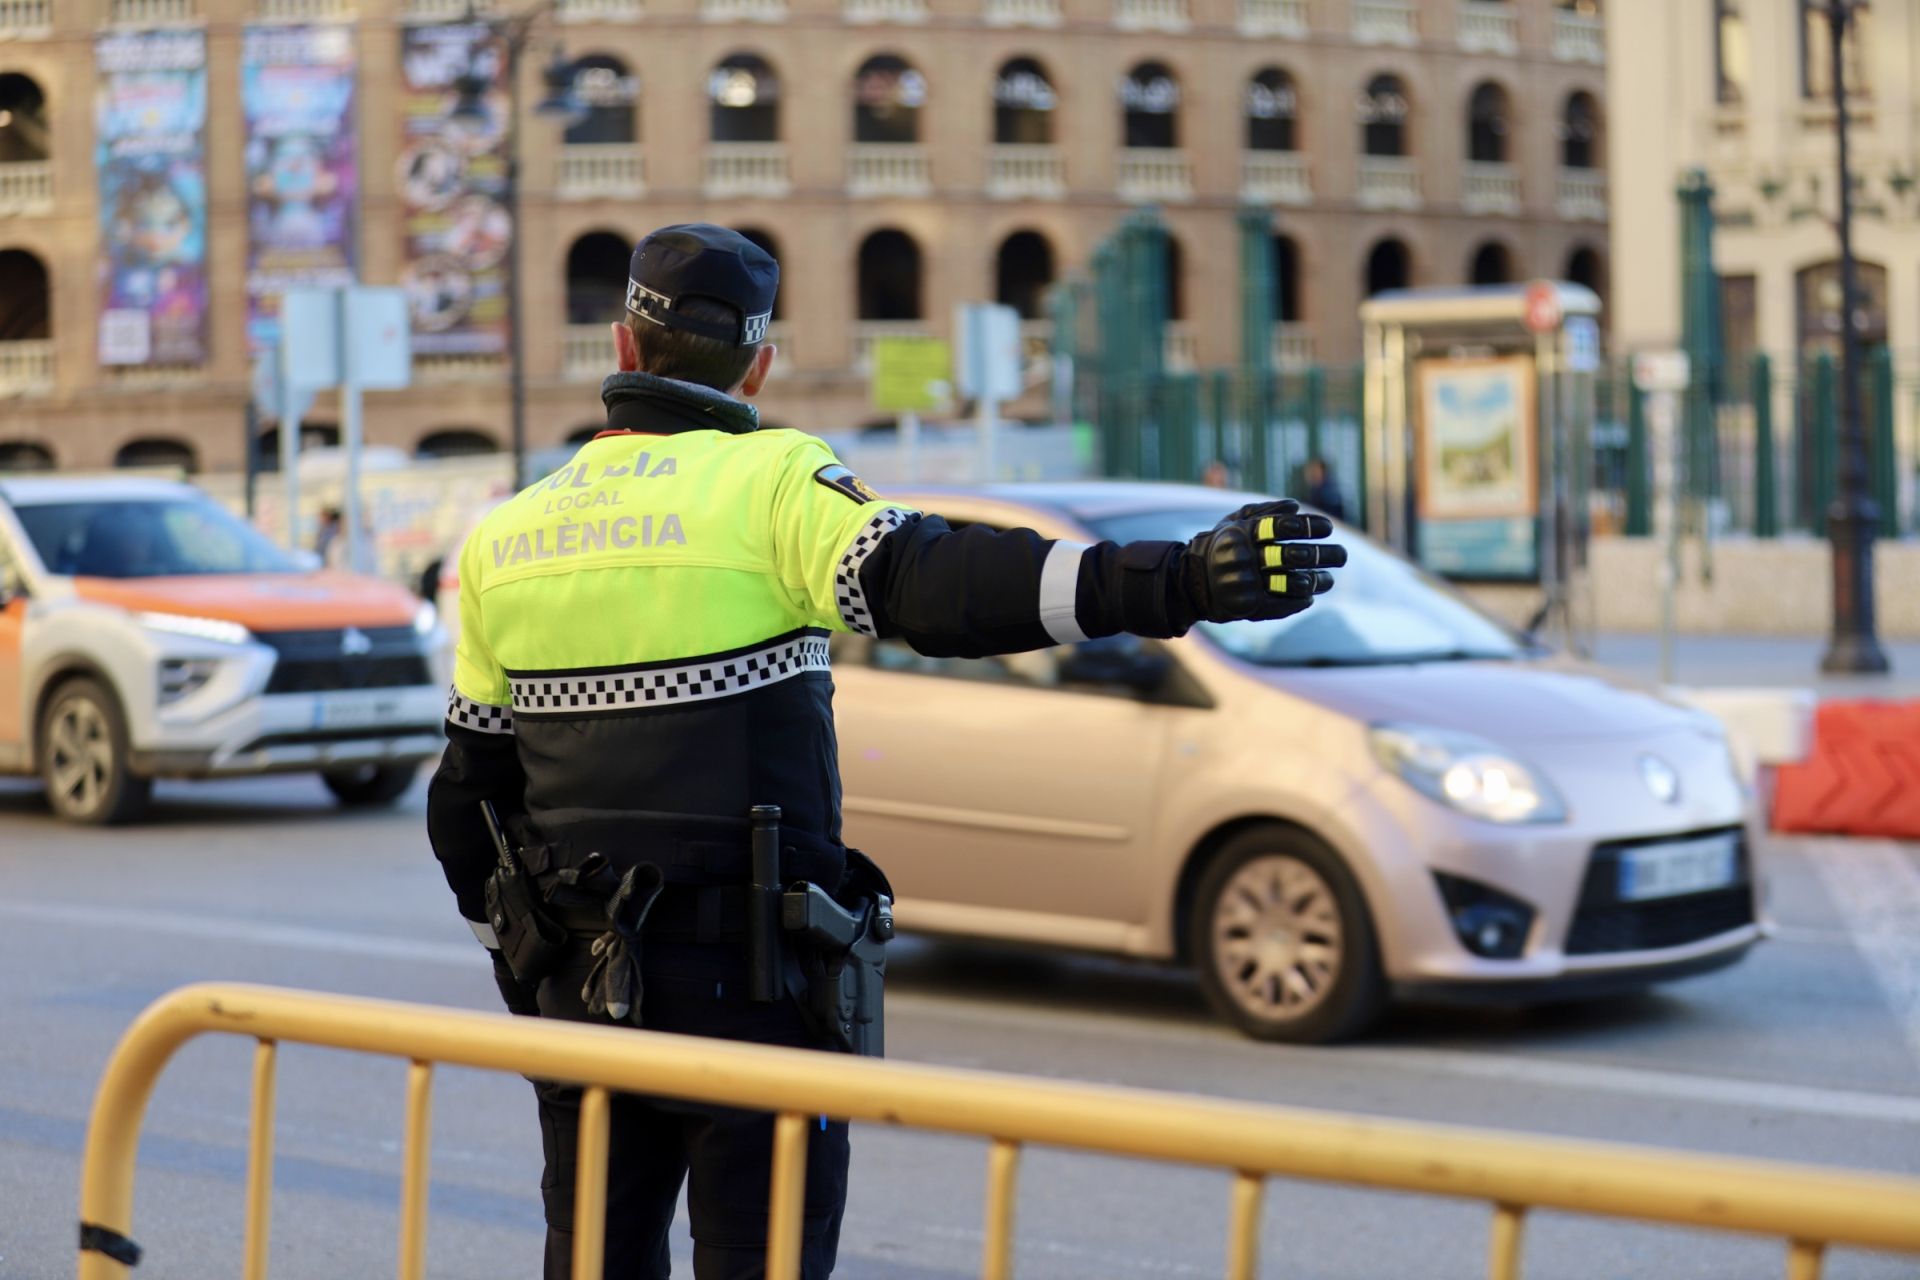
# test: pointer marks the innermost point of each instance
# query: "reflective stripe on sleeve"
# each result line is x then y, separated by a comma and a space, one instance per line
847, 591
481, 717
1059, 584
484, 931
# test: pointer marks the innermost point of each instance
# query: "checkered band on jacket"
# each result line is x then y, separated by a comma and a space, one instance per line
854, 610
478, 716
695, 681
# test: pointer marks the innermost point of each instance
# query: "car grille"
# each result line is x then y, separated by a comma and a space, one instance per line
316, 662
1603, 923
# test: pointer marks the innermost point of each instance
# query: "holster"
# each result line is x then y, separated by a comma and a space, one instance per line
531, 944
838, 960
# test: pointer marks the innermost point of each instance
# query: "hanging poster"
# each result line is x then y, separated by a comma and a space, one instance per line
453, 188
150, 154
296, 97
1477, 477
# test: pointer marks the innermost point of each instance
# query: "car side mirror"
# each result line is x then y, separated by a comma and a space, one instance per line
1116, 660
11, 585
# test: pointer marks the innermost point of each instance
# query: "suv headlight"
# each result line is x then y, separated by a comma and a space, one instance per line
425, 618
1466, 773
218, 630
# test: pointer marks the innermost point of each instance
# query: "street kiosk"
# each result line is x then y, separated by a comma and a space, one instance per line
1479, 412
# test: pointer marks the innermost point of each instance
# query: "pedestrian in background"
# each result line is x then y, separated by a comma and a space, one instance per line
1322, 493
326, 541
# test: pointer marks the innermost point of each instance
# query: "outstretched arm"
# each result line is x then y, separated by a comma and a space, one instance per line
881, 569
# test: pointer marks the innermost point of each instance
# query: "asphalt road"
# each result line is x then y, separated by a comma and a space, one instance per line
1806, 1051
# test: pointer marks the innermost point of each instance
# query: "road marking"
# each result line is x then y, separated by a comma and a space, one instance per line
1876, 888
1542, 1072
297, 937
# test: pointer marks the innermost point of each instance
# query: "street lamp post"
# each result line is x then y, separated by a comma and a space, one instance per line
1853, 518
513, 33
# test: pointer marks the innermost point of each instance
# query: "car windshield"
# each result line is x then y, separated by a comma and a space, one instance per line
148, 539
1382, 609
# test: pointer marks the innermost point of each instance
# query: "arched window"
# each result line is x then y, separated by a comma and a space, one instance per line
1583, 268
1150, 107
1817, 292
1385, 112
745, 98
765, 240
456, 442
24, 135
1580, 132
887, 96
24, 455
1023, 103
1492, 264
1273, 108
1176, 282
607, 96
1487, 124
1389, 266
26, 301
597, 278
889, 276
1023, 270
157, 452
1286, 281
313, 435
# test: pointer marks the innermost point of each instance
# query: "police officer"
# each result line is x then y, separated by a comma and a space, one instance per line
643, 656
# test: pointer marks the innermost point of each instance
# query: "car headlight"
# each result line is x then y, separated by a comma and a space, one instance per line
425, 618
218, 630
1466, 773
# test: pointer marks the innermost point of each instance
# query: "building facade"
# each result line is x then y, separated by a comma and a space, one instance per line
1741, 90
900, 156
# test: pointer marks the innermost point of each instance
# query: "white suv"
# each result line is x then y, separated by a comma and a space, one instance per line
146, 632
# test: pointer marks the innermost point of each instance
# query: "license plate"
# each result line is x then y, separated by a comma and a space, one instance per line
356, 711
1684, 866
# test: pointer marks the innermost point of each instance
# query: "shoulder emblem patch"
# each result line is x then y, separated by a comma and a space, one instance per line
843, 481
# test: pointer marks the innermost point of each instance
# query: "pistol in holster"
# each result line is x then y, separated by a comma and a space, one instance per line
531, 943
836, 965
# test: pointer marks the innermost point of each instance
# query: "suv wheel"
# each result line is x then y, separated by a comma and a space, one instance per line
85, 760
368, 785
1283, 941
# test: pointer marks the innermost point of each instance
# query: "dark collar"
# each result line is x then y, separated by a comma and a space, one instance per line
662, 406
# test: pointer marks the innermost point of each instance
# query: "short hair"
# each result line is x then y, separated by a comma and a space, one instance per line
688, 357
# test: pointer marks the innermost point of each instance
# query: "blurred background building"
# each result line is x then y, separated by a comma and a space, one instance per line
1741, 90
899, 156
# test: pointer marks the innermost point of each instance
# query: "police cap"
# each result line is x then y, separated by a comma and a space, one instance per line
701, 260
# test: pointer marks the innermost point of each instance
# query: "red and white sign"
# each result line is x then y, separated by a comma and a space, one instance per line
1543, 307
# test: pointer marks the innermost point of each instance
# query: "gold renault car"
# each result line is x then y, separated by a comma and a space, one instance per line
1390, 794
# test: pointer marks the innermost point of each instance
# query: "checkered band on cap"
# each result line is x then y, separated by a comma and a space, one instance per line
479, 716
569, 694
847, 592
755, 329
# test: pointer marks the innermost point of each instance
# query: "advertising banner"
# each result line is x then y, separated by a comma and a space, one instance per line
150, 131
453, 186
1477, 478
296, 100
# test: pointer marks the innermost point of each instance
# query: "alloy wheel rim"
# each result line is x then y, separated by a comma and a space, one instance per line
80, 752
1277, 940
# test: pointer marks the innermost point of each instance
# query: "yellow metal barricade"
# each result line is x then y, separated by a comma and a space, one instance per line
1808, 1209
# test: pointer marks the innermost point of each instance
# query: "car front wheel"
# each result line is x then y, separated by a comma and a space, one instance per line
369, 785
1283, 940
85, 759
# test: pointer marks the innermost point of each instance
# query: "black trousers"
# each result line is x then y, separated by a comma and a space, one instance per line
725, 1155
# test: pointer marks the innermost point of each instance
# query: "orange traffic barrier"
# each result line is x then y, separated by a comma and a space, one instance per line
1862, 777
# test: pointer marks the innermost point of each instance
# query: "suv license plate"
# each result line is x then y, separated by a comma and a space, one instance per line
1685, 866
356, 711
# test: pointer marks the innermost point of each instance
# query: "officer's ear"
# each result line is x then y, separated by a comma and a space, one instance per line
758, 370
626, 351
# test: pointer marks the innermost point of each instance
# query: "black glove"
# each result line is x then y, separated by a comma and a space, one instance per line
1257, 563
522, 998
